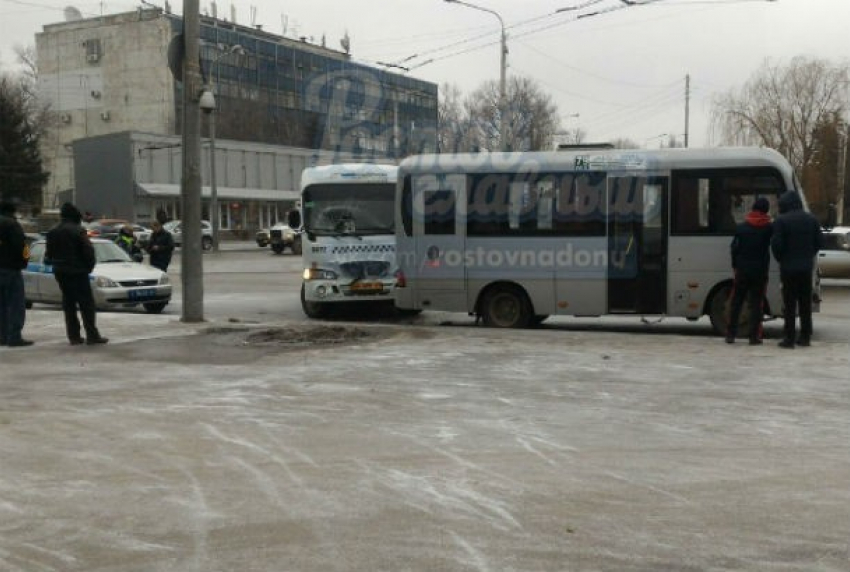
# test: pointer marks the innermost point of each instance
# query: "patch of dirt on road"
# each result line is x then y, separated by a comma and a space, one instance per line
312, 335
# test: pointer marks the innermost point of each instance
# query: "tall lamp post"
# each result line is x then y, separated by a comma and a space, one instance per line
208, 106
503, 99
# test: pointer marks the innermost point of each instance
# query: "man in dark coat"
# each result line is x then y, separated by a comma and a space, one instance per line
14, 255
72, 256
750, 261
160, 246
797, 237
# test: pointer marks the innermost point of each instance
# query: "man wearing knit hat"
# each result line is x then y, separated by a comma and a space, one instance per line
750, 261
72, 256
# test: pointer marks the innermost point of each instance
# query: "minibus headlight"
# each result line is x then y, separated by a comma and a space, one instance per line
319, 274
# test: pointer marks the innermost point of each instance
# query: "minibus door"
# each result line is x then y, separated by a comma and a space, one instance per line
439, 206
637, 244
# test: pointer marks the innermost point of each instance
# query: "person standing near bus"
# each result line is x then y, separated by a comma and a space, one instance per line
750, 261
72, 256
796, 240
14, 254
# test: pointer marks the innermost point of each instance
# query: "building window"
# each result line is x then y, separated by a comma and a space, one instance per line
93, 50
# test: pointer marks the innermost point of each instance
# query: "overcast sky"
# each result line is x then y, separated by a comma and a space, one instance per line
619, 73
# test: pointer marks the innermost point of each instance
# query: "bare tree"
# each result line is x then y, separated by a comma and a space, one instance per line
625, 143
39, 113
532, 120
783, 107
451, 123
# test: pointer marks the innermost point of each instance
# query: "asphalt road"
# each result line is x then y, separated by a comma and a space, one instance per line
423, 444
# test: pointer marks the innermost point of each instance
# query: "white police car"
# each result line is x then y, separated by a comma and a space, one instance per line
834, 258
116, 281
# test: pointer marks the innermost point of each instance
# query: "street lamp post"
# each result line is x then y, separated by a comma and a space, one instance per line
503, 99
208, 105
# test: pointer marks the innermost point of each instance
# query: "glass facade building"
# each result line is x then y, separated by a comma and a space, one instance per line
277, 90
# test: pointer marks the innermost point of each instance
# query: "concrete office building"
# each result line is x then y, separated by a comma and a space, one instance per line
110, 74
137, 176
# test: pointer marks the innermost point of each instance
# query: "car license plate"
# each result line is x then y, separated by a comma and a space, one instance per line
142, 294
367, 287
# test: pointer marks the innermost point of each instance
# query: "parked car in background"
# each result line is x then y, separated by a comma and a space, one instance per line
834, 259
142, 234
175, 227
105, 227
281, 236
116, 281
263, 237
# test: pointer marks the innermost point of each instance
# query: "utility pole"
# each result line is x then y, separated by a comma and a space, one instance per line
687, 107
503, 66
503, 94
191, 272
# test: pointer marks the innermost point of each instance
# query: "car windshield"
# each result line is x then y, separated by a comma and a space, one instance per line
105, 252
345, 209
836, 241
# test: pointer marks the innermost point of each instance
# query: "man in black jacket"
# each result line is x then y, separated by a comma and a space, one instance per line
14, 255
750, 261
72, 256
797, 237
160, 246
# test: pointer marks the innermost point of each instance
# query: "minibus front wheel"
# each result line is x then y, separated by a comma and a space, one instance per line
505, 306
719, 309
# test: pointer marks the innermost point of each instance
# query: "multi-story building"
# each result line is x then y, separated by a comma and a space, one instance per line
111, 74
136, 176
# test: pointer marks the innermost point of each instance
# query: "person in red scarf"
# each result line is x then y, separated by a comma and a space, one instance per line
750, 261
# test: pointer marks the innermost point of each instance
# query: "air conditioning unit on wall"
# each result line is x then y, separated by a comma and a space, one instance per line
93, 58
105, 115
65, 117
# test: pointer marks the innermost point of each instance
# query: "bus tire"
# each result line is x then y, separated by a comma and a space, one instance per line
720, 308
506, 307
314, 310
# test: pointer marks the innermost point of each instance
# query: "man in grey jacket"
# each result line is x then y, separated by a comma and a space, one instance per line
796, 240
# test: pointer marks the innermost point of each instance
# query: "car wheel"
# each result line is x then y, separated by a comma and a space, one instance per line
155, 307
506, 307
315, 310
206, 243
28, 304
